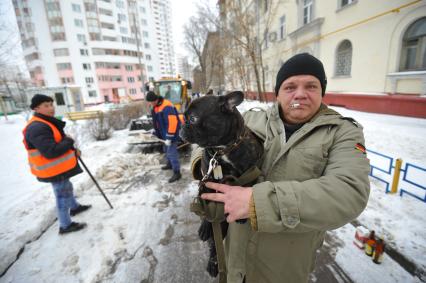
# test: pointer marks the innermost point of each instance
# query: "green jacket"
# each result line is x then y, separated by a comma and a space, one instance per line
317, 181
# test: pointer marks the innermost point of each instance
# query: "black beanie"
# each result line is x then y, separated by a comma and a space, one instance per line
151, 96
39, 99
301, 64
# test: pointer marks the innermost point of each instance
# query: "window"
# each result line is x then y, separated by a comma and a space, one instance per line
105, 12
59, 98
143, 10
57, 36
52, 6
145, 34
92, 93
146, 45
344, 59
87, 66
123, 30
89, 80
120, 4
144, 22
345, 2
60, 52
121, 17
149, 68
131, 79
129, 68
282, 27
84, 52
67, 80
76, 8
132, 91
63, 66
307, 11
107, 25
78, 23
81, 38
148, 57
413, 57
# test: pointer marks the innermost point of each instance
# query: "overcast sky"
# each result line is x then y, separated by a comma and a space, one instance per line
182, 10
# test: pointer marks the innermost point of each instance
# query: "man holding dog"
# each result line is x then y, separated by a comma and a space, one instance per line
52, 159
167, 123
314, 179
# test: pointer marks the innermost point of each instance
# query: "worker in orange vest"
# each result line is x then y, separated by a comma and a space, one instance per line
167, 122
52, 159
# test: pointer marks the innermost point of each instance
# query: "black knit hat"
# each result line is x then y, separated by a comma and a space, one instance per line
39, 99
151, 96
301, 64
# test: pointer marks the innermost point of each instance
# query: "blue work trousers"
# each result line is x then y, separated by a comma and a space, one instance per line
173, 156
65, 201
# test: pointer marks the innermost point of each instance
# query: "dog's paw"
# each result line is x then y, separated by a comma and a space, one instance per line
205, 231
212, 267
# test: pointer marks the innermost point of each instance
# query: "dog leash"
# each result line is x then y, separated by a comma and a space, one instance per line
214, 215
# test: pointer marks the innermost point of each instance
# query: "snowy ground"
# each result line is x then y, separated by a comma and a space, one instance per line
150, 235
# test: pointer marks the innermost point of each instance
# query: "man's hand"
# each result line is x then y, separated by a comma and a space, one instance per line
168, 142
236, 199
77, 152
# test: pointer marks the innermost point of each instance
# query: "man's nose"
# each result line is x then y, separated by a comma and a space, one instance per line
300, 92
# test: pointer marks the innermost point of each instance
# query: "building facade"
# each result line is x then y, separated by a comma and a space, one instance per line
369, 47
164, 35
102, 50
184, 68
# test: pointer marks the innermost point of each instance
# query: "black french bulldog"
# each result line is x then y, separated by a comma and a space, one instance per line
214, 123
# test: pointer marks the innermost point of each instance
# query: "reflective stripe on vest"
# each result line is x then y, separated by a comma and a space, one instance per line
43, 167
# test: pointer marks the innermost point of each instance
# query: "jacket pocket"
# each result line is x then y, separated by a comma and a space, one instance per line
310, 161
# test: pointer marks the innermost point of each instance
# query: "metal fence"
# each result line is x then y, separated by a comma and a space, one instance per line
412, 181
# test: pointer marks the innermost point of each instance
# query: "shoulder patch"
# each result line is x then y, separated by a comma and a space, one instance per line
352, 120
361, 148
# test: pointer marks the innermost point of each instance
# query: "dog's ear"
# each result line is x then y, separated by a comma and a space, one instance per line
233, 99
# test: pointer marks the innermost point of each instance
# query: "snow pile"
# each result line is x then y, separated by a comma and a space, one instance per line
126, 167
78, 131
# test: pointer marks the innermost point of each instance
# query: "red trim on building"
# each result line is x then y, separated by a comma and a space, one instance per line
402, 105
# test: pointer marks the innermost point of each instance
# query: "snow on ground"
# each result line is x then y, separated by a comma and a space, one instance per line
150, 235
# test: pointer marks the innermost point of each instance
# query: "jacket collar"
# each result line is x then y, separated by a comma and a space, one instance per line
60, 125
325, 116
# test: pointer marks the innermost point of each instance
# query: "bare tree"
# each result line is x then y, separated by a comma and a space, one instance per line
201, 41
244, 28
9, 36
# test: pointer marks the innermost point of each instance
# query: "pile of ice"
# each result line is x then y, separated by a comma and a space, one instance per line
125, 167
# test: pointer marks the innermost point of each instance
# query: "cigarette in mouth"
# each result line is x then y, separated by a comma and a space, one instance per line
294, 105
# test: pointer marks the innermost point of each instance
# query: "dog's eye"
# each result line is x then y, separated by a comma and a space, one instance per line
193, 119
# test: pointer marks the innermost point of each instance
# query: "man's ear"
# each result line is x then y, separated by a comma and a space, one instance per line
233, 99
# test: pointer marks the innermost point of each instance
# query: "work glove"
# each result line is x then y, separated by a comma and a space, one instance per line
168, 142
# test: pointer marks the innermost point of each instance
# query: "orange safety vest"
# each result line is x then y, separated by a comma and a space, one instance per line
172, 119
43, 167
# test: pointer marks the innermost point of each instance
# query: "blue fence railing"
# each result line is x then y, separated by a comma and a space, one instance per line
413, 182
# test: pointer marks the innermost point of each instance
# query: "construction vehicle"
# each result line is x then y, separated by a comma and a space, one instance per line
174, 89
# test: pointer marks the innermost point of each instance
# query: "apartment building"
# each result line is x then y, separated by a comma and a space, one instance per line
368, 47
101, 50
163, 35
184, 68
